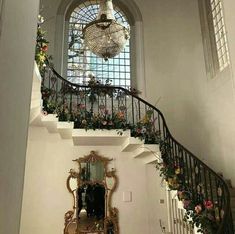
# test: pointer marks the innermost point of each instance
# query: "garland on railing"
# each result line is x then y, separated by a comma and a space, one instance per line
199, 212
87, 119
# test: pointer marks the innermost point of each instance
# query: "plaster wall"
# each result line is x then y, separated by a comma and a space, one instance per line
46, 199
18, 20
199, 110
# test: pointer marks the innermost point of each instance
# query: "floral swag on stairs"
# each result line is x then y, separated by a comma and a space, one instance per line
94, 105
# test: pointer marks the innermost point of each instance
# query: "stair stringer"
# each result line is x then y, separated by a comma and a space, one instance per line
36, 102
147, 153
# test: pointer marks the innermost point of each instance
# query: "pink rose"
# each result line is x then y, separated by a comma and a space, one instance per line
186, 203
180, 194
208, 204
198, 209
104, 122
44, 48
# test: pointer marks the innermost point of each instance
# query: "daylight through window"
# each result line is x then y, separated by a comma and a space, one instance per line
83, 64
219, 33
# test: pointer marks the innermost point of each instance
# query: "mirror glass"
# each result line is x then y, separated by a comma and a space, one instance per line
92, 171
91, 207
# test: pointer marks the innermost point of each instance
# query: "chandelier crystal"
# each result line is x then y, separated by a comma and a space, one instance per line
104, 36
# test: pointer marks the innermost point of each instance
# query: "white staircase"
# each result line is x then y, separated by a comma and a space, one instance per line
147, 153
81, 137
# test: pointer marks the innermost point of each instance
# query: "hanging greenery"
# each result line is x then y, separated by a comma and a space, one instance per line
201, 213
41, 48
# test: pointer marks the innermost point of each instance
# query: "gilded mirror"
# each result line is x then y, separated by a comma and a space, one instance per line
92, 186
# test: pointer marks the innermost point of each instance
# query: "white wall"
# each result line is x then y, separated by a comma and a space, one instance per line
17, 42
199, 111
46, 198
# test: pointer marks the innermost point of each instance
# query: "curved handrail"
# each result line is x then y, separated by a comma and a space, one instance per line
209, 181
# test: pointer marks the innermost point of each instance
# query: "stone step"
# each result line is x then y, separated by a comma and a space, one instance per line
36, 95
50, 122
99, 137
148, 153
34, 113
35, 103
65, 129
131, 144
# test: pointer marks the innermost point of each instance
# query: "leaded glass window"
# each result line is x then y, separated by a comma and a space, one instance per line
214, 36
220, 37
82, 63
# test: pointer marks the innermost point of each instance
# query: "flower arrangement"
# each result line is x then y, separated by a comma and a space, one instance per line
41, 46
145, 129
49, 107
103, 119
95, 121
83, 118
95, 91
204, 214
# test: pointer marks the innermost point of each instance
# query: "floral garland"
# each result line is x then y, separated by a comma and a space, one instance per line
85, 119
103, 119
41, 49
41, 45
199, 212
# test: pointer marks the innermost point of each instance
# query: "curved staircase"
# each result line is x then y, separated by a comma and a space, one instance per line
70, 97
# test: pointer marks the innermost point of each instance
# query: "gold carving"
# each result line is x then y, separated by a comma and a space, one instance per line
107, 179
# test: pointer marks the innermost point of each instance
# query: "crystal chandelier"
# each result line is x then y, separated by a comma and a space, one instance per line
104, 36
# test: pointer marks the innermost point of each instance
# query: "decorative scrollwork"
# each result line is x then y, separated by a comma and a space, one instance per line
84, 181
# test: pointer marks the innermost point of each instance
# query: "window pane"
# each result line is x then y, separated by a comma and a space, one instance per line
219, 33
82, 62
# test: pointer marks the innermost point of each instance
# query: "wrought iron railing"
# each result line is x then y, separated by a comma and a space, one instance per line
108, 107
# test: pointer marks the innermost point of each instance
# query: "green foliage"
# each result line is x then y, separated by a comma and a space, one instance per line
94, 91
41, 48
49, 107
145, 129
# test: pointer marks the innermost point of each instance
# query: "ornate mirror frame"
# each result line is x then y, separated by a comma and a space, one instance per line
111, 213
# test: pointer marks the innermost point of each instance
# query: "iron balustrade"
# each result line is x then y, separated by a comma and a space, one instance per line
110, 100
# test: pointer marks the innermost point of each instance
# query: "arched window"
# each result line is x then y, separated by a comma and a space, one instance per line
82, 63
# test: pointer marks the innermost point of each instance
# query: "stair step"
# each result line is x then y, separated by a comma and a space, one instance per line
35, 103
36, 95
65, 129
37, 121
50, 122
148, 153
131, 144
99, 137
34, 113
